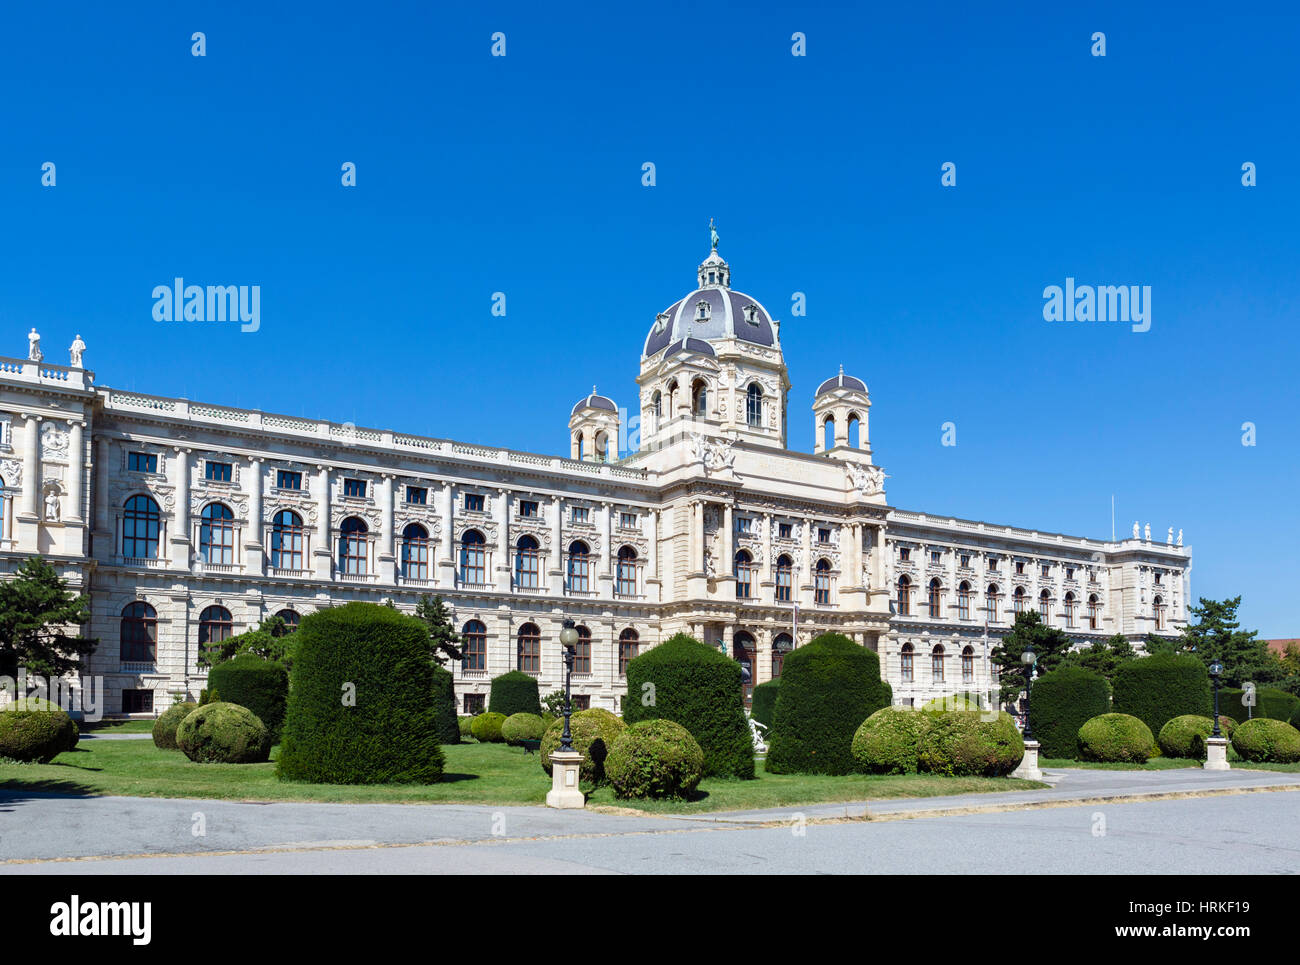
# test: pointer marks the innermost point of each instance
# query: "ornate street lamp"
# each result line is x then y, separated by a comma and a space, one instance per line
1216, 671
569, 640
1028, 658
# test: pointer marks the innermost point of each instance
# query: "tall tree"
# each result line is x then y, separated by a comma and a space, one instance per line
1049, 643
40, 622
444, 641
1103, 657
1217, 635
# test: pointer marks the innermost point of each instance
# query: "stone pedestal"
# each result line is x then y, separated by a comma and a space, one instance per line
564, 791
1028, 768
1216, 754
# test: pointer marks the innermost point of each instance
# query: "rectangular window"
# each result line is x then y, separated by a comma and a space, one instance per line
217, 471
1020, 567
474, 704
993, 564
356, 488
1047, 570
907, 667
288, 480
904, 554
417, 495
965, 561
936, 668
581, 514
785, 530
823, 535
474, 649
473, 502
527, 507
141, 462
1069, 572
936, 556
967, 668
137, 701
627, 520
582, 701
582, 653
744, 525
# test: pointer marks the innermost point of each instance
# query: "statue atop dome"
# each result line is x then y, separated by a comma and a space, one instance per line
713, 234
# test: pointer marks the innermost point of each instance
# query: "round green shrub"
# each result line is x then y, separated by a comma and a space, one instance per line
164, 728
593, 733
514, 693
889, 741
1270, 702
655, 758
260, 685
223, 733
1185, 736
828, 688
463, 725
359, 706
1061, 702
763, 702
1158, 688
522, 727
486, 727
1267, 741
36, 730
1116, 738
444, 706
963, 743
700, 688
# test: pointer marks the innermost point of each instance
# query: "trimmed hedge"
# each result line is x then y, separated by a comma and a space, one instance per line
700, 688
962, 743
359, 708
1061, 702
260, 685
164, 728
1116, 738
522, 727
224, 733
444, 706
1267, 741
763, 703
889, 741
463, 724
1269, 702
486, 727
1185, 736
593, 733
36, 730
1158, 688
514, 693
828, 688
655, 758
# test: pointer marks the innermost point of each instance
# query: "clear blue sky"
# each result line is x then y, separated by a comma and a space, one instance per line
522, 174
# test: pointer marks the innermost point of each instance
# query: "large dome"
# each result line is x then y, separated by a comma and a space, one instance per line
712, 312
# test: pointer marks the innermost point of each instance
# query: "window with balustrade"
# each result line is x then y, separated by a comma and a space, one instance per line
138, 636
625, 582
822, 583
529, 649
473, 558
287, 540
629, 644
784, 578
354, 541
528, 568
744, 575
217, 534
415, 552
141, 528
579, 567
473, 654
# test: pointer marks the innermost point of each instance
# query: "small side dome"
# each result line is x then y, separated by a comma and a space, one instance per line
842, 381
594, 401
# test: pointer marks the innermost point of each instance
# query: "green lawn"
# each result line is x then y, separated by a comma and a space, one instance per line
117, 727
475, 774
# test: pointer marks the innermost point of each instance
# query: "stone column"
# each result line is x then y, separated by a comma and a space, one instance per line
76, 472
387, 550
501, 512
697, 536
804, 594
446, 564
31, 468
605, 575
765, 580
652, 579
726, 565
763, 660
180, 535
556, 571
323, 553
253, 547
103, 525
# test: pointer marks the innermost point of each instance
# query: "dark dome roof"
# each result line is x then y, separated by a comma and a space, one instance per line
595, 401
710, 314
842, 381
690, 345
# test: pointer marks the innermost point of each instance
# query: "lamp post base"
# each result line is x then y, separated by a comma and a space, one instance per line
564, 792
1216, 754
1028, 769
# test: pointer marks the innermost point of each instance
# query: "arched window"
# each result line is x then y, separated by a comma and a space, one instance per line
287, 540
139, 633
1068, 607
529, 658
291, 620
415, 552
991, 602
908, 671
935, 599
473, 654
473, 558
527, 564
1158, 604
781, 645
217, 534
963, 600
625, 584
700, 398
784, 578
936, 663
628, 645
904, 596
754, 405
215, 625
352, 546
141, 526
602, 447
744, 575
968, 665
855, 431
672, 398
657, 409
822, 583
1045, 606
1094, 613
579, 446
1018, 600
828, 433
579, 567
582, 652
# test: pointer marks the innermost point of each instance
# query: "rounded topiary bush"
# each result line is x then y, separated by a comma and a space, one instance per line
164, 728
522, 727
514, 693
223, 733
1185, 736
359, 706
1061, 702
260, 685
444, 706
593, 733
762, 703
965, 743
486, 727
463, 724
1269, 702
700, 688
828, 688
1116, 738
655, 758
1267, 741
1158, 688
36, 730
889, 741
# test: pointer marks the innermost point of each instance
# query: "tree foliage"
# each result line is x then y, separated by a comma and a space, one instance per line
444, 641
1217, 635
1103, 657
40, 621
1049, 643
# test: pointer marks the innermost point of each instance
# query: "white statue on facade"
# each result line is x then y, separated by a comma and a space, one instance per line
1180, 537
34, 347
868, 480
76, 351
1136, 532
1147, 533
52, 509
1169, 540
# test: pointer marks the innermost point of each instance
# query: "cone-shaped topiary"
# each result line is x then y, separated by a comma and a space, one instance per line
889, 741
360, 707
164, 728
655, 758
1267, 741
1062, 701
486, 727
260, 685
36, 730
1116, 738
963, 743
514, 693
223, 733
828, 688
522, 727
700, 688
593, 733
1158, 688
763, 702
444, 706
